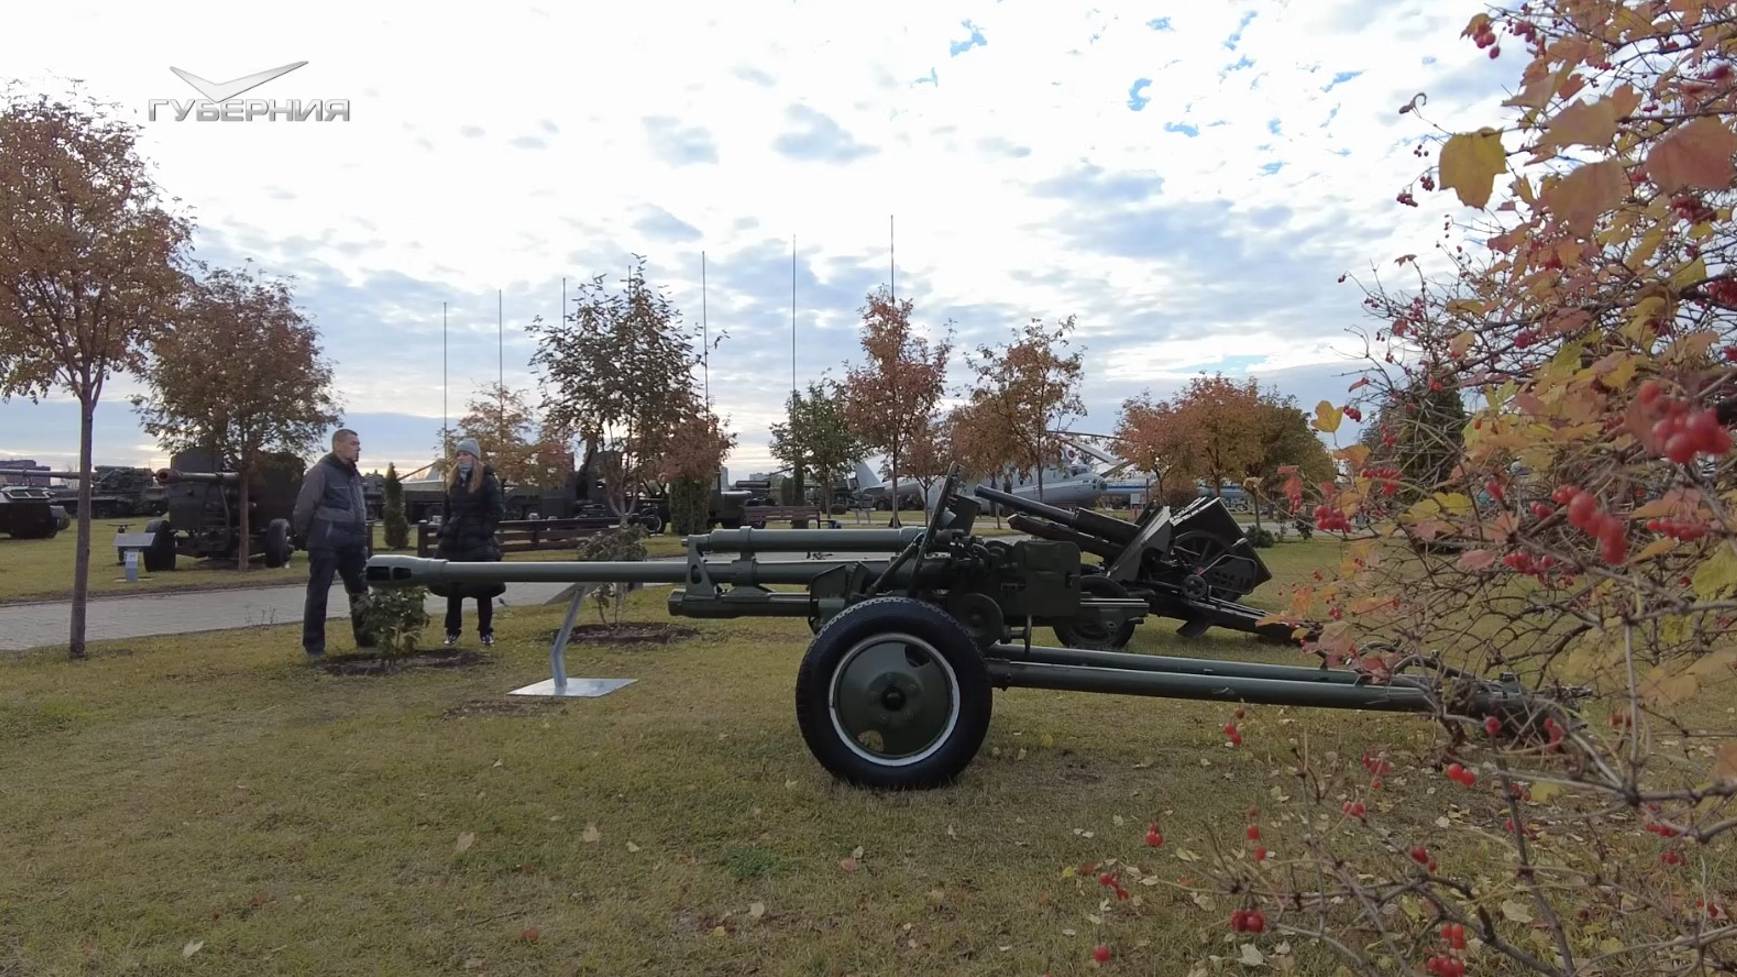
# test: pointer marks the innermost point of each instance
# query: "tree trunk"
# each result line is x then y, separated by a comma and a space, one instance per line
81, 556
1254, 496
894, 472
243, 558
1040, 479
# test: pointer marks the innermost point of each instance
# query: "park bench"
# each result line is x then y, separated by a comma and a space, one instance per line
520, 535
758, 515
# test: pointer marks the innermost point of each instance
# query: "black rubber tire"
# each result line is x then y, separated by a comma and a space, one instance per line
159, 557
940, 763
277, 543
652, 522
1077, 635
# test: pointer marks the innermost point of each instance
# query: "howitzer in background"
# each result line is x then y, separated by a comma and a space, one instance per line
895, 689
116, 491
1193, 565
204, 518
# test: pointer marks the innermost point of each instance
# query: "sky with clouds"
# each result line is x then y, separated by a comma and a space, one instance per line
1187, 180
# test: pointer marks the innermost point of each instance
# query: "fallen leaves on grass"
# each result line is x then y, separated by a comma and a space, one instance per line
465, 840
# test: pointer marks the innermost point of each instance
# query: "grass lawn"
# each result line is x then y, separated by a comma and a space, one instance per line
221, 796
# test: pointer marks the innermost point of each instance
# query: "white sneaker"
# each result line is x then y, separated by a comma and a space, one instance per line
451, 639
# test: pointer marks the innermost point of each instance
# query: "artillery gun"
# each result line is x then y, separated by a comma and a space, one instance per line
204, 520
895, 689
1193, 565
116, 491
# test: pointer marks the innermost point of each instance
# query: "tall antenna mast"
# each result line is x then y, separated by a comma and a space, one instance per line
445, 428
705, 335
892, 263
793, 317
501, 355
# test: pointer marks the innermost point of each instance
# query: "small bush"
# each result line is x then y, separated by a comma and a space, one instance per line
1305, 527
395, 617
1260, 538
621, 544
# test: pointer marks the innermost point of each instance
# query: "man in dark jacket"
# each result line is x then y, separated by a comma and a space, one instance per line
331, 518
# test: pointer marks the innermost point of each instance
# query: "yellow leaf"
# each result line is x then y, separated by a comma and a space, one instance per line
1670, 690
1423, 509
1638, 331
1689, 274
1461, 343
1545, 793
1649, 243
1466, 307
1356, 454
1469, 164
1327, 417
1657, 547
591, 835
1583, 124
1694, 344
1717, 574
1725, 764
1582, 197
1475, 560
1517, 912
1453, 503
1696, 155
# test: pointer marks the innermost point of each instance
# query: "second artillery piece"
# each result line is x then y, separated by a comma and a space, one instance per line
1193, 565
895, 688
204, 518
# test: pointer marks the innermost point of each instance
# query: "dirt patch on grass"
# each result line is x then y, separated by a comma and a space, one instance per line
499, 707
390, 664
630, 633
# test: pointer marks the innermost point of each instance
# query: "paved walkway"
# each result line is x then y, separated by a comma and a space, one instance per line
24, 626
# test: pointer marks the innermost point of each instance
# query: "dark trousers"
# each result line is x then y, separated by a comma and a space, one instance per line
348, 563
485, 615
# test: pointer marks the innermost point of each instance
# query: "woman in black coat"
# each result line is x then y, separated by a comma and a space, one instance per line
470, 513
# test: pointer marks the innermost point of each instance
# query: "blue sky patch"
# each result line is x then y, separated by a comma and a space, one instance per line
975, 40
1341, 78
1182, 127
1273, 126
1137, 99
1159, 24
1232, 41
931, 80
1272, 168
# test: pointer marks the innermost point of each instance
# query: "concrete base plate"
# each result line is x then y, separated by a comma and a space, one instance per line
577, 688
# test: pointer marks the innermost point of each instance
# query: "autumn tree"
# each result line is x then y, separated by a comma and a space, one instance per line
522, 450
981, 447
1288, 446
817, 436
274, 397
616, 371
928, 456
1211, 430
90, 269
690, 464
1580, 555
1030, 386
890, 397
1149, 437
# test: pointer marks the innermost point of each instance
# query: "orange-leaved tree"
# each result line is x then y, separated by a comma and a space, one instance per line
1579, 550
90, 268
1030, 386
889, 398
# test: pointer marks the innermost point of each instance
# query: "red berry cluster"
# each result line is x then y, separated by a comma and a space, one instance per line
1443, 966
1486, 38
1662, 830
1384, 480
1730, 352
1109, 881
1724, 292
1101, 953
1449, 964
1682, 432
1671, 856
1677, 529
1585, 514
1555, 732
1354, 809
1328, 519
1421, 856
1492, 726
1378, 767
1714, 910
1248, 921
1353, 413
1460, 775
1232, 734
1154, 837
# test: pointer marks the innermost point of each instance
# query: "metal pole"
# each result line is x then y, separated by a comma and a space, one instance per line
892, 280
793, 317
705, 335
501, 359
445, 429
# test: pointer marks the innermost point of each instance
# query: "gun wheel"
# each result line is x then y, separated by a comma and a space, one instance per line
1094, 635
893, 693
1201, 553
